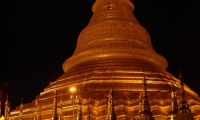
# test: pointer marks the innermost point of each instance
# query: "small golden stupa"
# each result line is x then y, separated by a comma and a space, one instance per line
114, 74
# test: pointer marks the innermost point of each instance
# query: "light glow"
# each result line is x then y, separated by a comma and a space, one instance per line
72, 89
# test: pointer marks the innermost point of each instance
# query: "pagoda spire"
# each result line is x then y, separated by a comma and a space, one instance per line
36, 104
89, 109
21, 110
145, 112
61, 112
110, 112
184, 109
7, 108
54, 116
174, 106
79, 111
184, 106
36, 112
89, 112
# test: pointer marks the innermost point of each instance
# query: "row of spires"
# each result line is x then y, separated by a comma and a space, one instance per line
144, 110
177, 112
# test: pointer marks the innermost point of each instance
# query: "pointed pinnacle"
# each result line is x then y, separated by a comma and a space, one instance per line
174, 105
21, 103
79, 112
144, 87
111, 112
172, 87
6, 103
180, 76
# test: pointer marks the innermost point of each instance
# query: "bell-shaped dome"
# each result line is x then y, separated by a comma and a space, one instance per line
113, 33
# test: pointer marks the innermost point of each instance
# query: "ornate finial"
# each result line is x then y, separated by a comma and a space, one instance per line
61, 103
184, 106
36, 104
6, 100
54, 117
79, 111
145, 103
21, 106
21, 102
180, 75
145, 112
61, 99
89, 112
7, 108
174, 105
181, 83
21, 109
111, 112
184, 110
145, 87
60, 112
37, 107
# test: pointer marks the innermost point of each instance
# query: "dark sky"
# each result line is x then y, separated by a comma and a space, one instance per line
37, 36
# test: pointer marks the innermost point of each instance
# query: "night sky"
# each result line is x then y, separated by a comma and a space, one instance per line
38, 36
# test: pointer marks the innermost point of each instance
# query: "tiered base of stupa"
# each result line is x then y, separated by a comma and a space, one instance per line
94, 86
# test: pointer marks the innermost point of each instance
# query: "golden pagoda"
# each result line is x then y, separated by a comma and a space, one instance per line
116, 75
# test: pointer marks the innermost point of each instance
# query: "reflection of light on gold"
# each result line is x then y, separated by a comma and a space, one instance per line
2, 118
72, 89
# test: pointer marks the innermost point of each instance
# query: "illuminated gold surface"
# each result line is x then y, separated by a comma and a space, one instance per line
113, 50
113, 34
